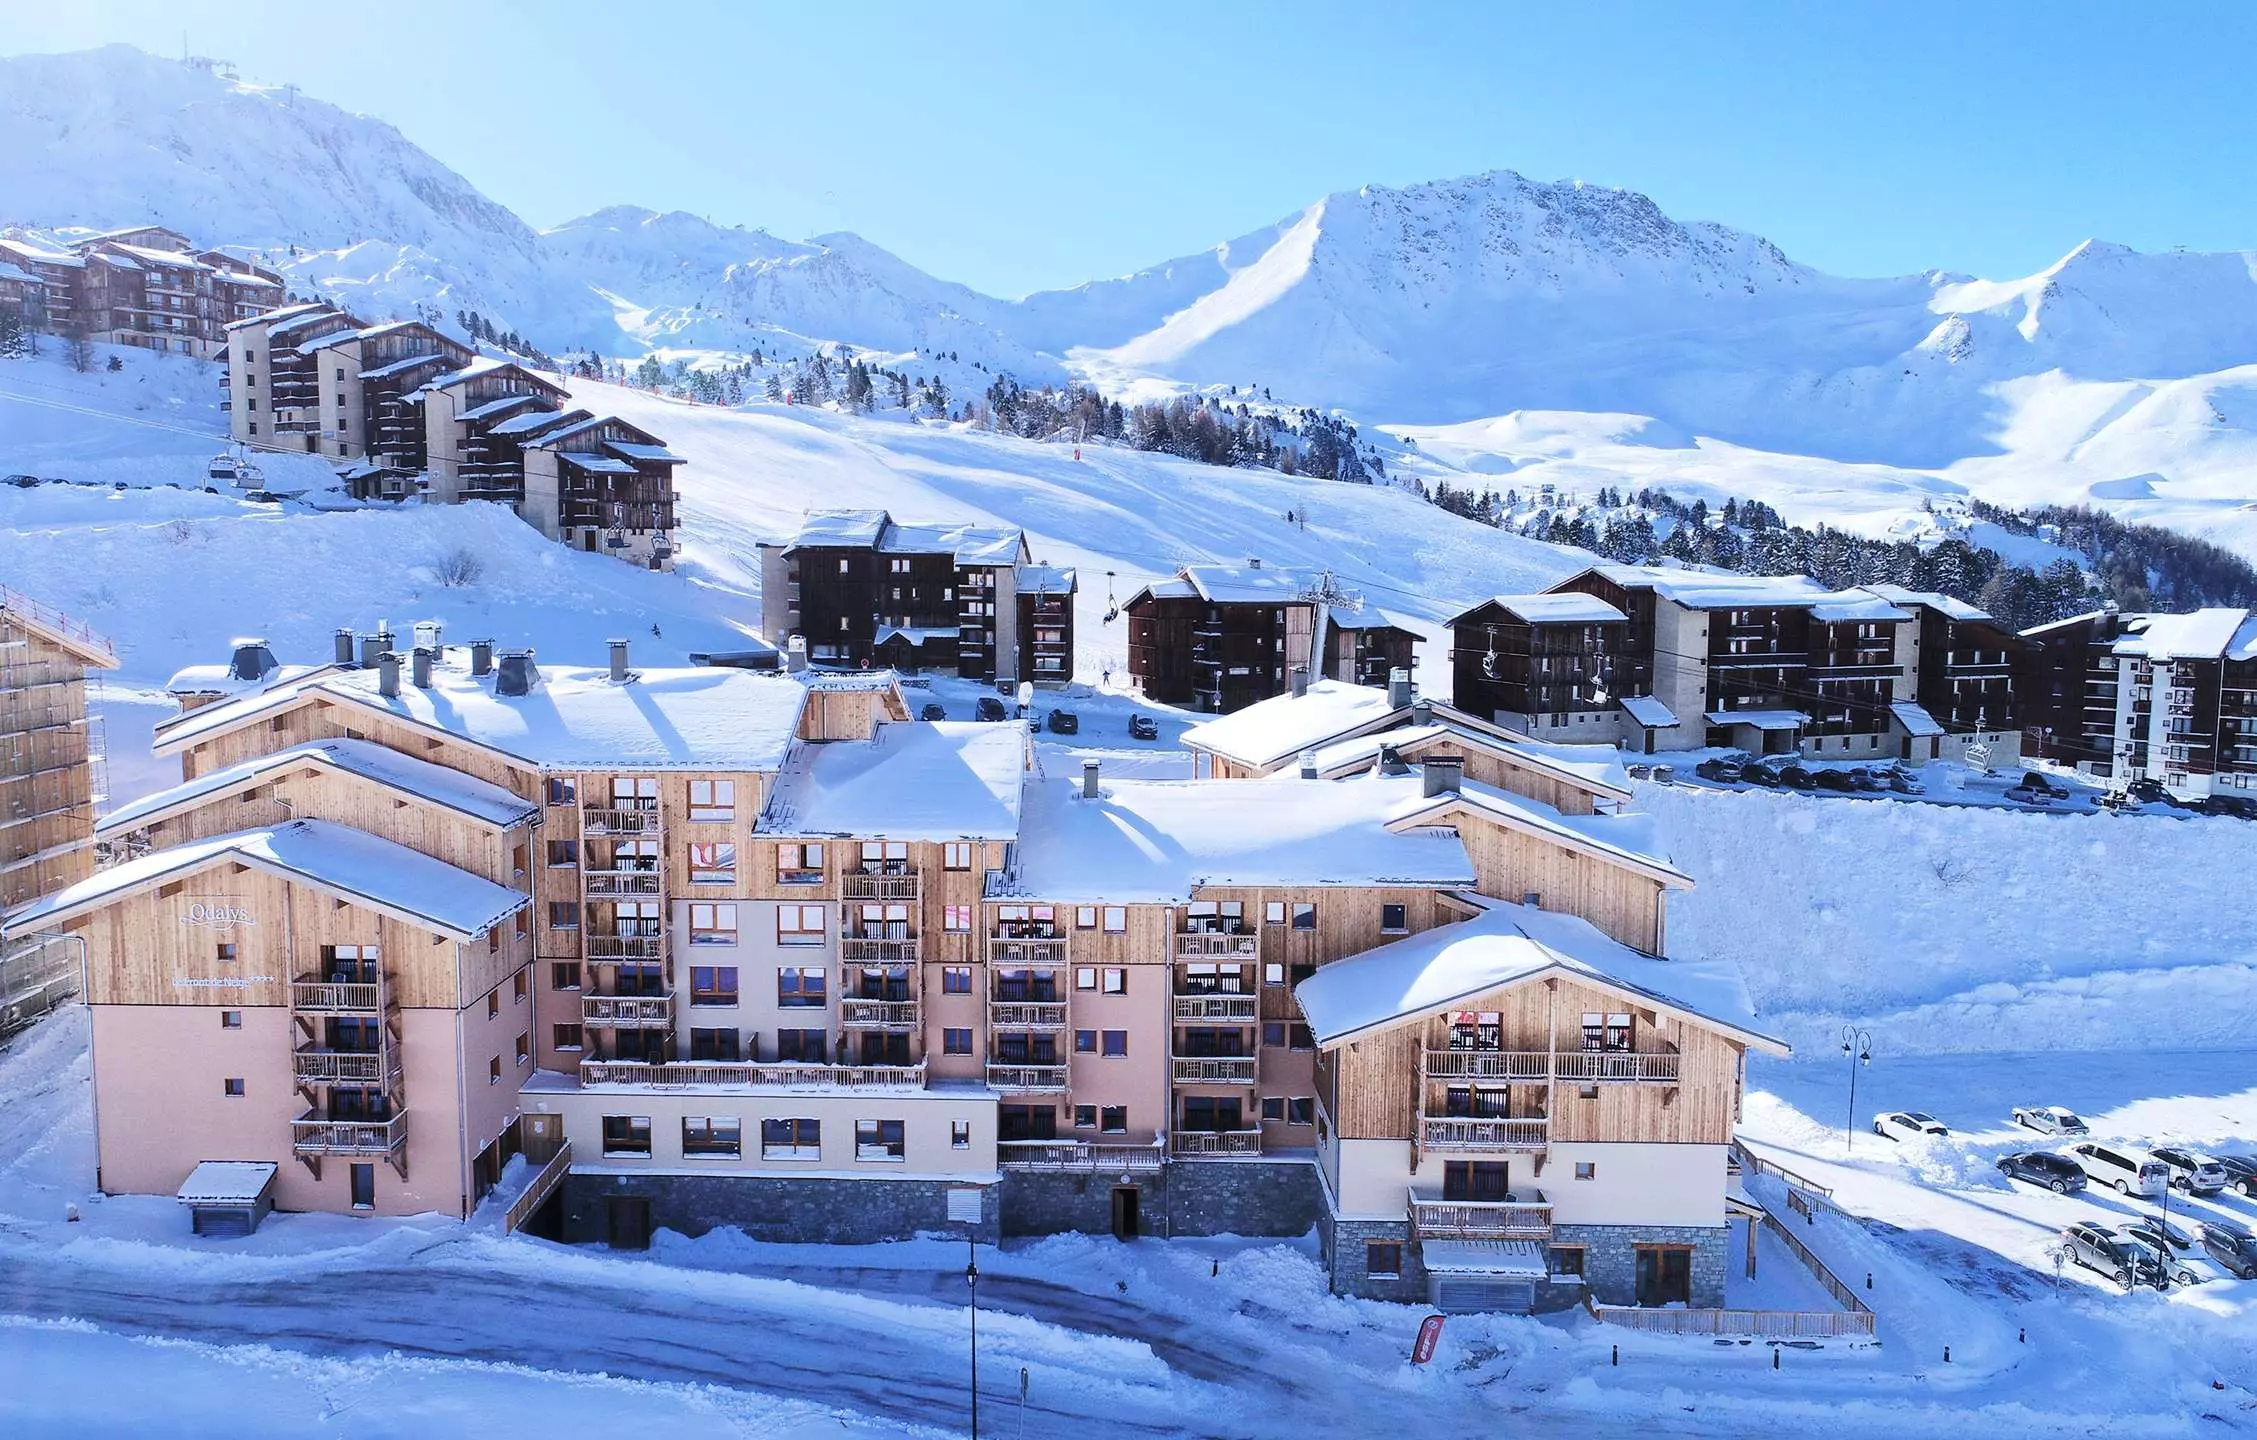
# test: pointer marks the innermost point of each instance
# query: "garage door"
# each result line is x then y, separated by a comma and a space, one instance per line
1465, 1294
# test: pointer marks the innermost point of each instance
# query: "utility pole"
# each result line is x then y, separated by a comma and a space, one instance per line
1857, 1046
972, 1283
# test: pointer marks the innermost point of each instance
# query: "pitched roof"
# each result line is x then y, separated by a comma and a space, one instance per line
58, 629
1622, 840
1568, 607
1271, 731
1712, 590
1507, 945
2193, 635
1594, 768
1936, 600
1250, 585
480, 800
943, 780
1843, 606
337, 859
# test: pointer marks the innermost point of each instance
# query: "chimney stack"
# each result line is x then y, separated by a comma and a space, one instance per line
251, 660
1400, 691
1089, 790
343, 655
371, 646
795, 654
388, 675
517, 674
1300, 675
1442, 775
1391, 761
481, 658
1308, 764
427, 634
422, 662
1422, 711
384, 635
618, 662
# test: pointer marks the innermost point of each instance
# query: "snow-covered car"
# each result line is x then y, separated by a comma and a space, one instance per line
1723, 772
2126, 1261
1907, 1125
2191, 1170
2057, 1173
2181, 1268
2231, 1245
2050, 1120
2158, 1232
2126, 1169
2241, 1173
1143, 727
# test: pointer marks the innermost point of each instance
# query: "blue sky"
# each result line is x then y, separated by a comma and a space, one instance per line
1017, 147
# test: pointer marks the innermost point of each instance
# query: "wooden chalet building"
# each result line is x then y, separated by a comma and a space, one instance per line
50, 747
1545, 665
1218, 638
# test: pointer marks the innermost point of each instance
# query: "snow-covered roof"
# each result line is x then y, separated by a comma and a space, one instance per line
466, 794
11, 272
1845, 606
1597, 768
502, 406
330, 341
119, 262
851, 529
532, 421
1624, 840
1361, 615
1713, 590
478, 365
300, 319
1155, 841
344, 862
1567, 607
1760, 719
1176, 588
173, 258
1044, 579
2243, 646
1269, 731
1914, 719
1648, 711
1249, 585
1507, 945
304, 307
2193, 635
576, 422
595, 464
917, 634
41, 257
877, 530
648, 454
914, 780
227, 1182
405, 364
1948, 605
218, 679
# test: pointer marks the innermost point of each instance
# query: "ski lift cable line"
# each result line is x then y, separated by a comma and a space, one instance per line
107, 415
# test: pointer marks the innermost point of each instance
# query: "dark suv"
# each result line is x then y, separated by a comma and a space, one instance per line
2057, 1173
2232, 1246
2126, 1261
989, 708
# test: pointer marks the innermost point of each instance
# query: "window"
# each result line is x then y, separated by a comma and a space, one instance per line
1085, 917
713, 924
1273, 973
1586, 1092
713, 799
1273, 1107
714, 864
1116, 919
1116, 1042
959, 1134
1085, 1117
791, 1140
1586, 1170
564, 914
713, 1045
799, 863
957, 918
956, 1042
1383, 1259
797, 924
1113, 1119
1305, 918
564, 975
525, 1047
566, 1037
1606, 1032
800, 987
564, 852
1394, 920
1301, 1110
1085, 978
717, 1137
230, 1019
1273, 913
626, 1135
494, 1071
805, 1047
842, 565
956, 855
1273, 1033
225, 954
233, 1089
1297, 1037
562, 790
517, 987
713, 984
880, 1140
885, 857
493, 1002
1116, 980
956, 980
1085, 1042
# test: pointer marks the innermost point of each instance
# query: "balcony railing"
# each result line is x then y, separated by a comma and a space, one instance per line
608, 884
603, 820
1216, 1142
1243, 1008
793, 1076
1458, 1133
1582, 1066
626, 947
314, 1134
867, 950
878, 1014
1591, 1066
1218, 947
346, 1067
1027, 1077
640, 1011
855, 885
333, 997
1527, 1216
1027, 1015
1487, 1064
1214, 1070
1076, 1155
1003, 950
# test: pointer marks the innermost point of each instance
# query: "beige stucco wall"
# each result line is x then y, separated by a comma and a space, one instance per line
926, 1117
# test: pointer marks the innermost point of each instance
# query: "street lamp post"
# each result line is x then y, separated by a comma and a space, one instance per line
972, 1283
1857, 1047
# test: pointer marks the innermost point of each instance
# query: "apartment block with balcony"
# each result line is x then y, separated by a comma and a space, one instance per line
1219, 638
51, 770
147, 286
2178, 696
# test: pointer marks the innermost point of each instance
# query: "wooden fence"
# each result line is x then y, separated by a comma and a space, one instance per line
1760, 1324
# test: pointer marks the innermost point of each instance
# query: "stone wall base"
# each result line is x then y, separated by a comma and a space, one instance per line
791, 1210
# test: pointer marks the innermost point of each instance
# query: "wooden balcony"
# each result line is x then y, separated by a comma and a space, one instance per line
856, 885
1243, 1009
1488, 1064
786, 1075
1218, 947
1076, 1156
1465, 1134
641, 1012
1600, 1066
1527, 1216
878, 1014
310, 1065
315, 1134
871, 950
1027, 1077
626, 947
1003, 950
310, 996
1214, 1069
603, 820
623, 884
1215, 1142
1027, 1014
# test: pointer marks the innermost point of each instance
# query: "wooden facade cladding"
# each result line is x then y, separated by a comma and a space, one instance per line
48, 752
1509, 864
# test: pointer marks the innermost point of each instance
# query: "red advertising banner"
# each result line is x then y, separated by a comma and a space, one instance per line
1429, 1336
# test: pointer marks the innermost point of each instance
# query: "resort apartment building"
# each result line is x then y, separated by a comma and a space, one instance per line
2170, 698
862, 588
720, 947
407, 411
1218, 638
146, 286
1657, 659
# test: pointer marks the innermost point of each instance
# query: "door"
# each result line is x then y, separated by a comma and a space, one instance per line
627, 1222
1665, 1275
364, 1187
543, 1135
1127, 1203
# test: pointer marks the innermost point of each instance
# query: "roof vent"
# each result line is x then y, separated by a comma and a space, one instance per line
1443, 774
388, 675
1300, 680
1533, 899
427, 634
252, 660
343, 655
1422, 711
618, 662
371, 646
795, 654
1308, 764
422, 663
1400, 690
1253, 562
517, 674
384, 635
481, 658
1089, 771
1391, 761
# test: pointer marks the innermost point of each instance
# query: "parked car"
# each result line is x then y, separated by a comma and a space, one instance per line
1835, 780
2037, 784
1064, 722
989, 708
2191, 1170
933, 712
26, 481
1143, 727
1760, 772
1867, 781
1907, 1125
1723, 772
1665, 774
2241, 1173
2231, 1245
2150, 792
2057, 1173
1794, 777
2157, 1232
1903, 783
2127, 1169
2182, 1269
1641, 770
2127, 1262
2050, 1120
2240, 807
2024, 796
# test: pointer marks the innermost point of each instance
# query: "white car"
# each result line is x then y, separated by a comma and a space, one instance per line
2050, 1120
1907, 1125
2126, 1169
2191, 1170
